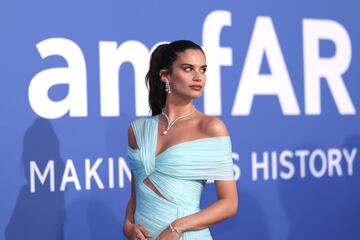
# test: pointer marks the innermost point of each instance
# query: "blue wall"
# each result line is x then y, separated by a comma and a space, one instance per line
283, 76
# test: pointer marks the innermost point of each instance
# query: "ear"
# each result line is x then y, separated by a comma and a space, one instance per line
164, 75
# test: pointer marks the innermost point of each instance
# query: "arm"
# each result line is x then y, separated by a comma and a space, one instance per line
130, 229
225, 207
227, 203
130, 209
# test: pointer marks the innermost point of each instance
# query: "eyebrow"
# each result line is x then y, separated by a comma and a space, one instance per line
188, 64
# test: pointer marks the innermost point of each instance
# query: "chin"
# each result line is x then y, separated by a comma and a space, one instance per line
196, 96
192, 95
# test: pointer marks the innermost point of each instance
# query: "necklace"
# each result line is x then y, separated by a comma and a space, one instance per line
172, 123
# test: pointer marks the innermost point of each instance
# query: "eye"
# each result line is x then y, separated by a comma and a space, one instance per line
203, 69
188, 69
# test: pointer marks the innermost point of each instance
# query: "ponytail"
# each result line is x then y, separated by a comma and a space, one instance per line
157, 94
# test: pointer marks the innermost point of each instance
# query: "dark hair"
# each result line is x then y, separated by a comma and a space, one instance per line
163, 57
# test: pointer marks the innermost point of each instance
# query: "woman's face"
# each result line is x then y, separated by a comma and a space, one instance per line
188, 77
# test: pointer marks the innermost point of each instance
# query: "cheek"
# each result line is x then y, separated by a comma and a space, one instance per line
182, 79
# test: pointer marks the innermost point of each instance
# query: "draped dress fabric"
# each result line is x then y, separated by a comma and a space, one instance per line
179, 173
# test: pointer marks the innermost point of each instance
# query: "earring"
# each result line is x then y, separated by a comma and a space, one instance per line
167, 86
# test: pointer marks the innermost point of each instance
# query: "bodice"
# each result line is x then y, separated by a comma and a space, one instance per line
180, 171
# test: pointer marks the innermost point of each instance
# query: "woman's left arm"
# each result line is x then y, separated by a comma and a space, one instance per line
227, 203
225, 207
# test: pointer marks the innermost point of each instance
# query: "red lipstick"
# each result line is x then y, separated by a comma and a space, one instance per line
196, 87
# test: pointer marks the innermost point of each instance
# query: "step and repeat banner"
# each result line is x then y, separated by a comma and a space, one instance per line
282, 75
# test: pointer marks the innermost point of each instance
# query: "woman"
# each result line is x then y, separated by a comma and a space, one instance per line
173, 152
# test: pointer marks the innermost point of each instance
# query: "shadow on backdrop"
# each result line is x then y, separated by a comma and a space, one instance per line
39, 215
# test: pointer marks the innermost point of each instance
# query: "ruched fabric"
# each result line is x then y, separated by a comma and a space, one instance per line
179, 173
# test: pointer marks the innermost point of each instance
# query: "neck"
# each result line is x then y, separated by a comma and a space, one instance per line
174, 110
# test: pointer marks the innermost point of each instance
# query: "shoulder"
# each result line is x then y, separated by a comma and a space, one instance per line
134, 126
213, 126
138, 122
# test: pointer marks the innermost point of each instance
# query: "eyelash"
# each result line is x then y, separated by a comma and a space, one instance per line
204, 69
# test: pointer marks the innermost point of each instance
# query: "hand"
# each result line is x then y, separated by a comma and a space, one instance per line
137, 232
167, 234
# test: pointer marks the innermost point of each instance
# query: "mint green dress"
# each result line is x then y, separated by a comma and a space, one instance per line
179, 173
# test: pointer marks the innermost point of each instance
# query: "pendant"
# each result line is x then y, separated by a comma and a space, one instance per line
171, 123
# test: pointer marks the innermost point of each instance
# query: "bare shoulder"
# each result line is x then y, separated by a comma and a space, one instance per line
213, 126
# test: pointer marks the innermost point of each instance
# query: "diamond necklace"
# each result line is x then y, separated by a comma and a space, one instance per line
172, 123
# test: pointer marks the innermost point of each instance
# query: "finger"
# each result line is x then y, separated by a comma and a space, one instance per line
139, 235
140, 238
144, 231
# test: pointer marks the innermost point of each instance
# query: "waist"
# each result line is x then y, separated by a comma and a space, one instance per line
186, 193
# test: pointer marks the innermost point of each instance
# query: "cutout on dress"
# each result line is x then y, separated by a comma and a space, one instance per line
152, 187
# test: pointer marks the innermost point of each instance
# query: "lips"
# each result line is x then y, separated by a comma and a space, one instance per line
196, 87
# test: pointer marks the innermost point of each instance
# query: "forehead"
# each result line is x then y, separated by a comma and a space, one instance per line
191, 56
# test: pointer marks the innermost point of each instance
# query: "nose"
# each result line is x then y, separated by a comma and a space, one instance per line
198, 76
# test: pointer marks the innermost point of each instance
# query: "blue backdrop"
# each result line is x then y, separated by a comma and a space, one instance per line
282, 75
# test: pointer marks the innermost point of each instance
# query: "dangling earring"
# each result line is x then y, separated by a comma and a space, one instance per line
167, 86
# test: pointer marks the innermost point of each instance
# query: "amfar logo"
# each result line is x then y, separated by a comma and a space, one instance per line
264, 41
